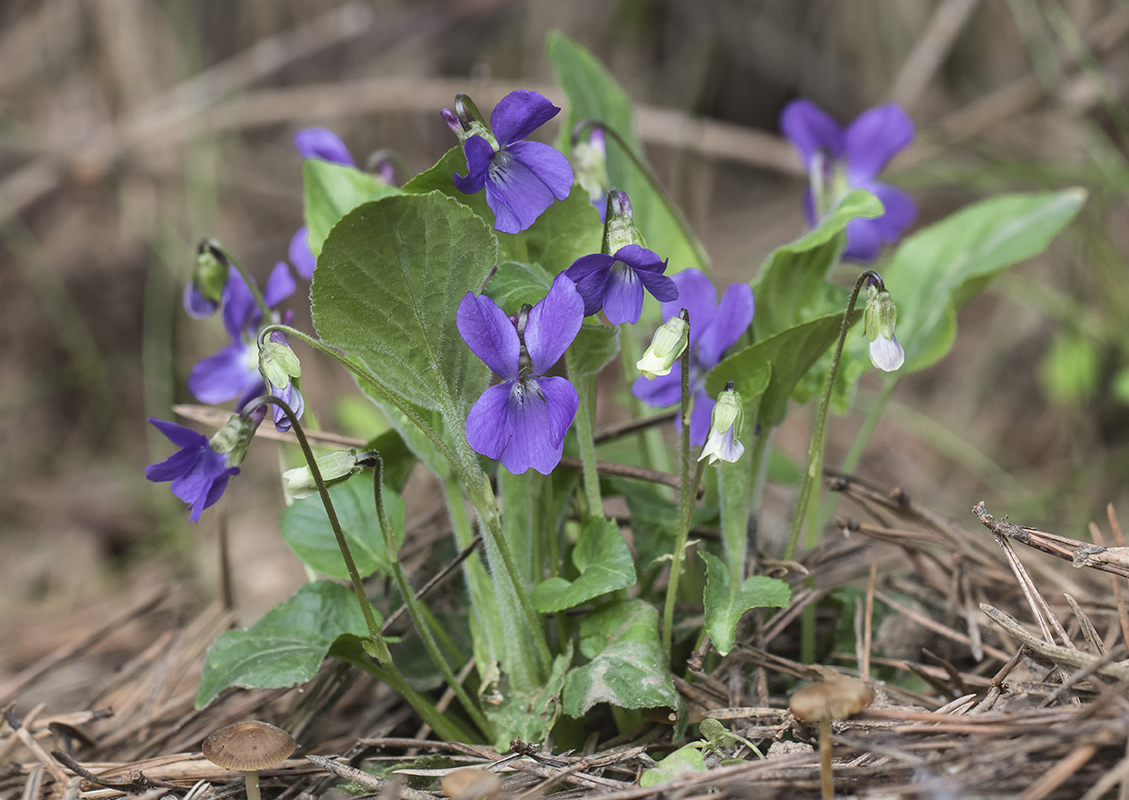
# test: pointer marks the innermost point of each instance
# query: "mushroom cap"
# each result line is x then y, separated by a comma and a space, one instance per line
248, 746
837, 698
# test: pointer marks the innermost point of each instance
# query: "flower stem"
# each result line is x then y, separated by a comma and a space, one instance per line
689, 494
375, 645
253, 287
415, 609
819, 434
672, 208
587, 387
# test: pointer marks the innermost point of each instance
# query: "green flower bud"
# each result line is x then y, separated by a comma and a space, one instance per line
725, 428
620, 230
879, 319
466, 121
668, 344
278, 363
233, 439
209, 277
335, 467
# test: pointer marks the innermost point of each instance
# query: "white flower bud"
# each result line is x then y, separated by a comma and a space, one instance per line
725, 428
879, 319
334, 467
668, 344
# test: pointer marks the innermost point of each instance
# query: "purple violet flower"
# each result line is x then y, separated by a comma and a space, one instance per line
233, 372
522, 178
713, 328
198, 473
315, 143
523, 420
616, 283
840, 159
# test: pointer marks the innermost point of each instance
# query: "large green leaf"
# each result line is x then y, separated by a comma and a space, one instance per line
516, 284
604, 563
940, 268
787, 356
592, 350
332, 191
792, 286
389, 281
287, 646
627, 667
727, 601
593, 94
306, 530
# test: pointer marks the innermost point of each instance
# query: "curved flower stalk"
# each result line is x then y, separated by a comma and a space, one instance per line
521, 178
714, 327
200, 469
523, 420
233, 372
840, 159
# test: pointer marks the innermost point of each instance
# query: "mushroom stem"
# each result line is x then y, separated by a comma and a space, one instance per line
824, 760
253, 779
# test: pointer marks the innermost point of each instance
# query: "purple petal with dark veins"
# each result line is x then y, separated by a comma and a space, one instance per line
811, 129
540, 412
550, 166
479, 154
875, 137
488, 428
300, 254
733, 316
519, 114
623, 296
553, 324
590, 273
515, 194
489, 334
324, 144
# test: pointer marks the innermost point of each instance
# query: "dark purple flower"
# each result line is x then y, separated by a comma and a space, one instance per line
233, 372
839, 160
616, 283
523, 420
713, 328
198, 473
521, 178
324, 144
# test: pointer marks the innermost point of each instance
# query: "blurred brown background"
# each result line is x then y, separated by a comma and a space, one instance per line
129, 129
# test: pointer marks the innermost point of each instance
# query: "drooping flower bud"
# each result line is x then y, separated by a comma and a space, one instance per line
590, 168
232, 440
879, 319
335, 467
620, 230
668, 344
278, 363
204, 291
725, 428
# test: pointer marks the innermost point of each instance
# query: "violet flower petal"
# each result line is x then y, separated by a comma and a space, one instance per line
324, 144
541, 411
863, 240
489, 334
515, 194
550, 166
519, 114
665, 390
811, 129
733, 316
875, 136
591, 273
198, 306
488, 426
239, 307
224, 375
178, 434
553, 324
697, 295
280, 285
479, 155
300, 254
901, 211
623, 296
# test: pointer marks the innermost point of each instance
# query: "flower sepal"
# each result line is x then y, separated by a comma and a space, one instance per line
668, 344
232, 440
335, 467
879, 318
204, 292
620, 230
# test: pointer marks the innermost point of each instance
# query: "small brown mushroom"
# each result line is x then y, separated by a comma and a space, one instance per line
832, 699
249, 747
471, 783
